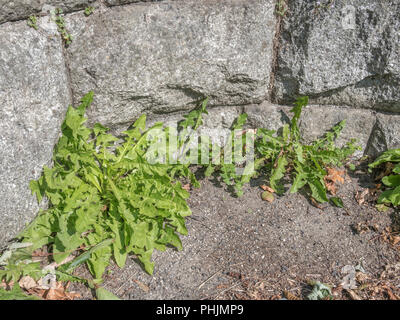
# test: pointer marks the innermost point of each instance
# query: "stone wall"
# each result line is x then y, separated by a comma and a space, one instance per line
162, 57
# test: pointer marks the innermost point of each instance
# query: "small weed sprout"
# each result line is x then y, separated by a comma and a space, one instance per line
60, 21
281, 8
32, 22
88, 11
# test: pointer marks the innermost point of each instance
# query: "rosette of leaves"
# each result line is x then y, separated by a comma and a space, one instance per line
286, 155
392, 181
106, 200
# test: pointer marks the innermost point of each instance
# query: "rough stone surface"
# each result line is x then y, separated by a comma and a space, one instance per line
315, 121
267, 115
324, 55
121, 2
218, 117
33, 99
163, 57
18, 9
22, 9
385, 134
69, 5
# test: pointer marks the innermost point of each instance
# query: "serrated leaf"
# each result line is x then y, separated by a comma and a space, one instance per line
299, 182
277, 174
99, 128
36, 190
85, 102
318, 191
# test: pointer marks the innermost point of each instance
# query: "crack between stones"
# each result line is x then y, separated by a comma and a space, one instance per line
342, 88
275, 52
40, 14
142, 2
67, 72
101, 5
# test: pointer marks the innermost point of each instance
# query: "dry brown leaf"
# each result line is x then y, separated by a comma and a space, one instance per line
362, 227
331, 187
54, 294
290, 296
266, 188
390, 237
333, 177
395, 240
27, 283
361, 277
60, 293
361, 195
36, 292
142, 286
186, 187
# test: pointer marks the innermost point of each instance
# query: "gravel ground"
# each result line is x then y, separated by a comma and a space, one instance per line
247, 248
